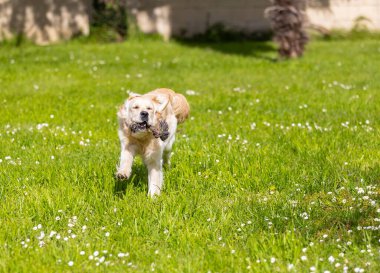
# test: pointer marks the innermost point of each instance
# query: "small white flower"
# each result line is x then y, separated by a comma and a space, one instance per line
331, 259
191, 92
272, 260
360, 190
82, 253
42, 235
71, 263
107, 234
303, 258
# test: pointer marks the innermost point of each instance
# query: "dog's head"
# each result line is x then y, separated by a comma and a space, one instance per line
141, 112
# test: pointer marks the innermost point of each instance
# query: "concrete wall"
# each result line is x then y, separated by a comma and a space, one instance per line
342, 14
188, 17
185, 17
44, 21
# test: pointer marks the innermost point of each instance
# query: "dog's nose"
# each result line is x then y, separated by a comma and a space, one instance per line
144, 115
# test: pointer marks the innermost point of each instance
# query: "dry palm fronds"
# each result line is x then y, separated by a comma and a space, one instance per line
288, 25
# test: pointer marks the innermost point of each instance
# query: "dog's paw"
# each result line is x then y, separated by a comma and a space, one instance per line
121, 176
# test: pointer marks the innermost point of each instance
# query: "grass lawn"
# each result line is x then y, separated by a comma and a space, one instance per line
277, 169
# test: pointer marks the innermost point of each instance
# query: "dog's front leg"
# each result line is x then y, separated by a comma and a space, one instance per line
155, 176
126, 159
125, 167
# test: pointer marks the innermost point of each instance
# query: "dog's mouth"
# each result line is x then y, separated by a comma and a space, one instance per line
139, 126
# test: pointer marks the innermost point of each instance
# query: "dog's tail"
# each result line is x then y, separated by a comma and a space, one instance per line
181, 107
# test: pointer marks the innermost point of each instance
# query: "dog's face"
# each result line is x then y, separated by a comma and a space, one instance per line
141, 112
141, 109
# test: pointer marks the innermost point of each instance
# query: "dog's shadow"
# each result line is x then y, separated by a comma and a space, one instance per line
138, 179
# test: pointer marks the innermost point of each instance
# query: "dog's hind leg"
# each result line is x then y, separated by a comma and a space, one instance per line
168, 151
166, 158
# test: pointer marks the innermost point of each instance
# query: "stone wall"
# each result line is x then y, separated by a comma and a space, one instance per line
44, 21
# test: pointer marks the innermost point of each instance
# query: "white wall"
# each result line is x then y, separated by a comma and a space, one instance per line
341, 14
173, 17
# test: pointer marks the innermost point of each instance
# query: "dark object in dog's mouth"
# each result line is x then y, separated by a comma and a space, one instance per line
161, 131
139, 126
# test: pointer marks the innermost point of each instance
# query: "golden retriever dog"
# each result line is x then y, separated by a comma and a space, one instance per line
147, 126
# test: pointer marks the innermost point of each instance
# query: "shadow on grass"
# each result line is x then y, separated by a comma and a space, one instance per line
260, 50
138, 179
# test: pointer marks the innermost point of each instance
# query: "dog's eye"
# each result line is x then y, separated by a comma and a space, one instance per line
149, 108
135, 107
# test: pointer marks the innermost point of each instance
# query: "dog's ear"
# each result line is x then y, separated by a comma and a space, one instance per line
161, 102
127, 101
121, 113
133, 95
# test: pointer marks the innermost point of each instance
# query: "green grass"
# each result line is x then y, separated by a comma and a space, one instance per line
278, 165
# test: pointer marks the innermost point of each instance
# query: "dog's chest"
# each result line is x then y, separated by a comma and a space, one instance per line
146, 147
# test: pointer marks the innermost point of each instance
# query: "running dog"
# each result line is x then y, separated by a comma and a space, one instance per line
147, 126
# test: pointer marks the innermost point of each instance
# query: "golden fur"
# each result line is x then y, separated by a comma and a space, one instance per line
160, 104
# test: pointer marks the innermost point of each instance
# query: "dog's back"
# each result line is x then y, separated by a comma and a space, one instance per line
179, 104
